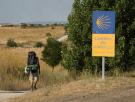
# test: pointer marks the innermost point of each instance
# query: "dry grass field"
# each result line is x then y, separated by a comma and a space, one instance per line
52, 85
77, 90
13, 60
12, 63
29, 35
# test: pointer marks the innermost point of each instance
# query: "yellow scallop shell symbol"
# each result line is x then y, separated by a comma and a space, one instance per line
103, 22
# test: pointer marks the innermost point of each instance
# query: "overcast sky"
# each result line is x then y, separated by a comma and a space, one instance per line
17, 11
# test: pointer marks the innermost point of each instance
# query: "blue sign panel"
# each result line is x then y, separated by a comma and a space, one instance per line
103, 22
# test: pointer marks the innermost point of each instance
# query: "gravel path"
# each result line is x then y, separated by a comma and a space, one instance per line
5, 95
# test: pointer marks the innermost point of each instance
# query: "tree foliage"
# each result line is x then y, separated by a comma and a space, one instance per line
52, 52
77, 53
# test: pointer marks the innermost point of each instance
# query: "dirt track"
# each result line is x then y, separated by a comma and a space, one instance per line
117, 95
6, 95
126, 94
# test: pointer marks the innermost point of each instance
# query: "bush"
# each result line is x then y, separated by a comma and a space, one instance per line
11, 43
52, 52
39, 44
23, 25
48, 34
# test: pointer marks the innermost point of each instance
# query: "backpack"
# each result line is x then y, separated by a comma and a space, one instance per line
32, 62
31, 58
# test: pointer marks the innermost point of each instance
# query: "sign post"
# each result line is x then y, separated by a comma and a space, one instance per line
103, 68
103, 36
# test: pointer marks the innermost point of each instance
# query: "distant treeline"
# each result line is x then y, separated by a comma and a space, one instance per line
27, 25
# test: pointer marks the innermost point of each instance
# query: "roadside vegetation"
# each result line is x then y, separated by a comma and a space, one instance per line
51, 53
80, 88
77, 52
12, 76
14, 55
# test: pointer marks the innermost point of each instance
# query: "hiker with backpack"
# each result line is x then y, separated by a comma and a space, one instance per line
33, 69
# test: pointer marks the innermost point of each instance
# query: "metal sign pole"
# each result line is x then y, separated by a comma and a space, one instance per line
103, 68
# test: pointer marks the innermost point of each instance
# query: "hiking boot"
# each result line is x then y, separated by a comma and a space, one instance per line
35, 87
32, 88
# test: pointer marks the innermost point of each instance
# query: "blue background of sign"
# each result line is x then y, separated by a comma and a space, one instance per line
111, 27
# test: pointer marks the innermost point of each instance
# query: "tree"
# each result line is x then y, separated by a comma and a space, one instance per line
127, 21
79, 30
77, 53
72, 55
52, 52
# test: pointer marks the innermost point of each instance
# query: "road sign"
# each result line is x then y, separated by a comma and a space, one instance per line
103, 45
103, 37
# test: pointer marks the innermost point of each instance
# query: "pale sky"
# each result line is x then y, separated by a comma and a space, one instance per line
18, 11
